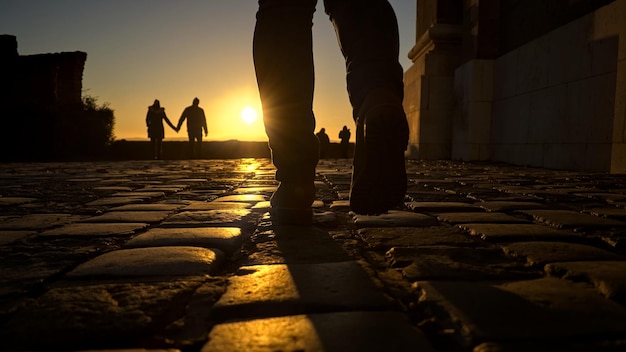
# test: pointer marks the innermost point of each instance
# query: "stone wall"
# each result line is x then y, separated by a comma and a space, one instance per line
554, 100
38, 95
429, 83
547, 90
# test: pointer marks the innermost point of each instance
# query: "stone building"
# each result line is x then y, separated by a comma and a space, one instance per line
528, 82
37, 94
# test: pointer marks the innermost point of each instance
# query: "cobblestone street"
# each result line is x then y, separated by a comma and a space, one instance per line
182, 255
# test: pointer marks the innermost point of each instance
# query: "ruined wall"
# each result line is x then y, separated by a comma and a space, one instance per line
38, 95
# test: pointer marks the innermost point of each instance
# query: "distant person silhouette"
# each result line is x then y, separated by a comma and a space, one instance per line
367, 31
344, 145
196, 123
324, 141
156, 132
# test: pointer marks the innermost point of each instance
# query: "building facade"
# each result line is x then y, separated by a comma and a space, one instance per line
528, 82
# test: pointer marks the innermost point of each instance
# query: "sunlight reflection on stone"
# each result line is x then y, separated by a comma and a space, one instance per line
297, 333
249, 166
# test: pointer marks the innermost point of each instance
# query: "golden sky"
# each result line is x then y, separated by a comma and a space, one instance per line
141, 50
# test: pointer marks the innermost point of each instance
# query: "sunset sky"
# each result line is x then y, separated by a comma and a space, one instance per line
141, 50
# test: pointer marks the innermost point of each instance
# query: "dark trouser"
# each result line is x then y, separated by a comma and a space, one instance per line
283, 57
195, 144
157, 147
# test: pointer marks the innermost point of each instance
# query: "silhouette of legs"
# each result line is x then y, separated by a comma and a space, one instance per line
195, 145
368, 36
157, 147
283, 59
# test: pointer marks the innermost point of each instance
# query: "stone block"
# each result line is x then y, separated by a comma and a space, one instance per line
115, 201
582, 98
517, 232
604, 54
547, 115
618, 158
149, 207
342, 331
224, 217
457, 263
411, 237
227, 239
507, 206
519, 154
505, 75
533, 70
213, 205
149, 217
271, 290
394, 218
112, 316
570, 52
609, 212
296, 245
511, 120
9, 201
522, 310
545, 252
603, 95
609, 277
140, 194
564, 156
477, 218
153, 261
8, 236
440, 92
95, 230
242, 198
38, 221
479, 122
434, 151
474, 81
567, 219
442, 207
619, 115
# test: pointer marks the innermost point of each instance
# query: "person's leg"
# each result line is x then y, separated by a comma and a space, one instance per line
283, 60
153, 147
368, 35
158, 148
190, 144
199, 143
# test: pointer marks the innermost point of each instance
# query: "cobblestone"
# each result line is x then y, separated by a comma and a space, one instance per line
183, 256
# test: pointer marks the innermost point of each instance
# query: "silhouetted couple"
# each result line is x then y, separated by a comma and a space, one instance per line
368, 36
196, 124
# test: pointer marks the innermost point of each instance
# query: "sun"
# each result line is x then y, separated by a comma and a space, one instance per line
248, 115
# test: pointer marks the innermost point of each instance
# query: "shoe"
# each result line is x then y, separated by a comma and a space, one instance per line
291, 203
379, 180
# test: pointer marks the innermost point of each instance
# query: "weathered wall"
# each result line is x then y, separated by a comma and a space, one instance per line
39, 97
554, 100
537, 82
429, 83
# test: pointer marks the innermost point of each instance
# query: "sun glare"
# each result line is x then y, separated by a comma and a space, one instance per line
248, 115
